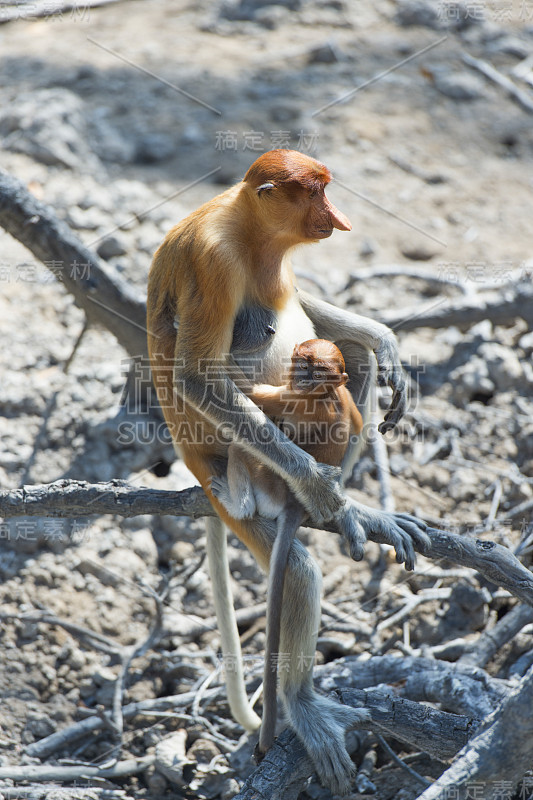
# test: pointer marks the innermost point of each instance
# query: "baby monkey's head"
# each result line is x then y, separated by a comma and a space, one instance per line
317, 366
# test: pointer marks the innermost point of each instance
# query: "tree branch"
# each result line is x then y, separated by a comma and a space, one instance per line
499, 753
46, 791
36, 772
70, 499
282, 772
459, 689
438, 733
47, 8
103, 295
492, 639
515, 302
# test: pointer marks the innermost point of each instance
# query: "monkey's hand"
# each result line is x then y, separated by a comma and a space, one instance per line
319, 490
352, 530
390, 373
341, 326
358, 522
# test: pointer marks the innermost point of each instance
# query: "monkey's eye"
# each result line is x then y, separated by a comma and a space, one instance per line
320, 375
265, 187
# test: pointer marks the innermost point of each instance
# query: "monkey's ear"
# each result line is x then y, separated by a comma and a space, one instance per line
265, 187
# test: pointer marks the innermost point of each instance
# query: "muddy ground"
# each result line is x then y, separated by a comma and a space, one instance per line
124, 119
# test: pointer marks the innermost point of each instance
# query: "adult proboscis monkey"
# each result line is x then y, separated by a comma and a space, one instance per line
224, 314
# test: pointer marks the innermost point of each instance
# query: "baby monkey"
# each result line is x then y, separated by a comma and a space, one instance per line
317, 412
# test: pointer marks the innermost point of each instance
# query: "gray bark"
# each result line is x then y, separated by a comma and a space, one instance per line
286, 766
459, 689
438, 733
68, 499
501, 751
491, 640
500, 307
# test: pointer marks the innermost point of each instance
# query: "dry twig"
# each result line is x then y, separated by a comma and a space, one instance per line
78, 730
52, 791
81, 772
127, 656
516, 302
424, 596
91, 638
47, 8
519, 95
493, 639
405, 271
410, 771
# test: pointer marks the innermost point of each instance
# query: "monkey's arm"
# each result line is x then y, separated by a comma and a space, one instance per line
272, 400
355, 416
202, 381
205, 386
234, 415
339, 325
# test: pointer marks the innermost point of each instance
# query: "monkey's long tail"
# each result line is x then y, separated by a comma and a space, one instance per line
217, 558
288, 523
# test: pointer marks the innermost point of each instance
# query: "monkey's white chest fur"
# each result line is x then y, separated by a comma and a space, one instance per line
266, 358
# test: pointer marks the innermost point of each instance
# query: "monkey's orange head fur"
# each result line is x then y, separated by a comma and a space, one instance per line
287, 166
317, 364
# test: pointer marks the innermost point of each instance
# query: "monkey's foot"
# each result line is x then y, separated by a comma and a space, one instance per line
321, 724
241, 507
402, 531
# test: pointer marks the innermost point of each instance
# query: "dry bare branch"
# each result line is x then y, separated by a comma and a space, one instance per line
505, 305
80, 772
491, 640
127, 656
363, 782
520, 96
410, 771
47, 8
388, 271
68, 499
51, 791
90, 638
98, 289
412, 602
500, 752
438, 733
78, 730
460, 689
285, 767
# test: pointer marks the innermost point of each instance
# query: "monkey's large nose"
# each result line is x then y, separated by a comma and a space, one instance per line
338, 219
